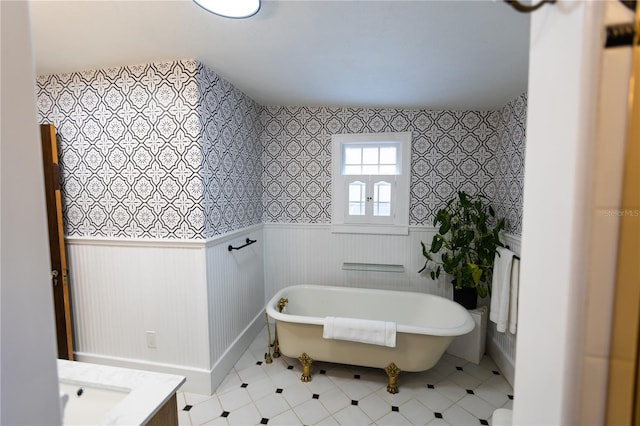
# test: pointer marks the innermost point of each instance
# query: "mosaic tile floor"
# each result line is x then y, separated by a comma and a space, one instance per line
454, 392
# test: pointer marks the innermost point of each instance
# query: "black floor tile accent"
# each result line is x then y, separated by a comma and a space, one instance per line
484, 422
394, 408
289, 367
323, 371
279, 390
459, 369
244, 385
431, 386
187, 407
316, 396
356, 376
259, 363
470, 392
225, 414
496, 372
354, 402
264, 421
510, 396
438, 415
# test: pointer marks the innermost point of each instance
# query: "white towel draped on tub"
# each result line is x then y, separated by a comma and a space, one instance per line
382, 333
504, 290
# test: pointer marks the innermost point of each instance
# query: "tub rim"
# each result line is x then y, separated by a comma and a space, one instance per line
458, 330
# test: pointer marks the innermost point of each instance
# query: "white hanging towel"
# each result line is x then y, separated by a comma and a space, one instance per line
501, 288
513, 296
382, 333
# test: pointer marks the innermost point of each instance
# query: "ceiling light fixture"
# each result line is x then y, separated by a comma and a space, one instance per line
230, 8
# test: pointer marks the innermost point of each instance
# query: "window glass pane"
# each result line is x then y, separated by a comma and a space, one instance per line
353, 170
388, 170
357, 198
388, 155
370, 159
370, 155
382, 209
352, 155
370, 170
356, 209
382, 199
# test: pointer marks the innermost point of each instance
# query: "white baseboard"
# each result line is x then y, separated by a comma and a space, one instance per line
503, 360
198, 380
233, 353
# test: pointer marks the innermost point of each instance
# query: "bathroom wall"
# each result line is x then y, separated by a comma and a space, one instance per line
131, 161
232, 200
509, 181
232, 155
161, 170
478, 151
509, 178
168, 163
451, 150
162, 150
28, 372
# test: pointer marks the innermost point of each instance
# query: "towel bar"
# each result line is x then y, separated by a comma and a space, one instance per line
248, 243
515, 256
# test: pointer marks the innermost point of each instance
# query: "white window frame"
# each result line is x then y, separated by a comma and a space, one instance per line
399, 223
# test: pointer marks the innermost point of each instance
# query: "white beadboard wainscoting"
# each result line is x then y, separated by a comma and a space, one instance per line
235, 288
206, 304
203, 303
312, 254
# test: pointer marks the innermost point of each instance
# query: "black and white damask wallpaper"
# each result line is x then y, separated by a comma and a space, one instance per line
139, 146
171, 150
510, 163
232, 168
451, 151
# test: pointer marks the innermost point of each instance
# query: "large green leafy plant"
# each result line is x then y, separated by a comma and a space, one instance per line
467, 238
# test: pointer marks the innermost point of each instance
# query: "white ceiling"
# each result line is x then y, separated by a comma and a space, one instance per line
406, 54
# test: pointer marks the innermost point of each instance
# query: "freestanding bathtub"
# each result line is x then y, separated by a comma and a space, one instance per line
426, 324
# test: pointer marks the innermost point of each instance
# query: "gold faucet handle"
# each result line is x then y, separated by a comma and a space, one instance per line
282, 303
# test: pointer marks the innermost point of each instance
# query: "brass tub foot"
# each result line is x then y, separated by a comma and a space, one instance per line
393, 372
306, 362
267, 355
276, 345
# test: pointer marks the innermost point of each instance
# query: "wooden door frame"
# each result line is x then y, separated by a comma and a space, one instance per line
59, 281
623, 402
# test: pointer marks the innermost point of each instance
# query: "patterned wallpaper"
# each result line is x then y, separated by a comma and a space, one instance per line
138, 145
171, 150
232, 169
451, 150
509, 180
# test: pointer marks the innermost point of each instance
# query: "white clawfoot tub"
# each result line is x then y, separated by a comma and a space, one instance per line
426, 325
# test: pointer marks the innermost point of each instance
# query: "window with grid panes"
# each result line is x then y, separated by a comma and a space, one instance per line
371, 182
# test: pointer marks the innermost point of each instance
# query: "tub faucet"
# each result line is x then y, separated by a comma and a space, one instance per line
282, 303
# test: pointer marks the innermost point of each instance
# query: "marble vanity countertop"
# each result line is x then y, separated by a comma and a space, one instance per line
148, 391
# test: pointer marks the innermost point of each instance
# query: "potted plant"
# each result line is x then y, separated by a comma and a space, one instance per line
467, 238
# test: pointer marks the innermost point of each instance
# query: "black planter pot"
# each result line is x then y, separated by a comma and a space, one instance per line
466, 296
